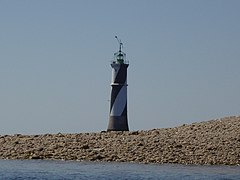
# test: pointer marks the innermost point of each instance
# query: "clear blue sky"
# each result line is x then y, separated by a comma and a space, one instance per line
55, 55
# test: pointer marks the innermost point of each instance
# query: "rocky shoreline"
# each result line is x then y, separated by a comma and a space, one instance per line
210, 142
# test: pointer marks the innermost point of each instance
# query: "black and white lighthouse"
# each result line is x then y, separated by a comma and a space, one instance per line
118, 120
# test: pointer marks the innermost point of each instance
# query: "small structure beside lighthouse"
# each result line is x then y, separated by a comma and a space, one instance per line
118, 120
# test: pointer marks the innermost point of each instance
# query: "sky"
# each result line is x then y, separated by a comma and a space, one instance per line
55, 56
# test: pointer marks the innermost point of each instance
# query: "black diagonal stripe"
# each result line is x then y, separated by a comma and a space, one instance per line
122, 74
124, 113
114, 93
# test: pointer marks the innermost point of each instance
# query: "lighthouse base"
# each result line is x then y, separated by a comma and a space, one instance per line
118, 123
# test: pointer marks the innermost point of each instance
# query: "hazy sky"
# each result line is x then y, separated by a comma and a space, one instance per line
55, 55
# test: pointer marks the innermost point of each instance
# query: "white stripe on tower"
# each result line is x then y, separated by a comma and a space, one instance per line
116, 68
120, 102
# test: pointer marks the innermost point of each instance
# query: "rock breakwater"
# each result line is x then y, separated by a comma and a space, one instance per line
211, 142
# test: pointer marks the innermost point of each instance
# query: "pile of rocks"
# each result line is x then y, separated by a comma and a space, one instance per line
211, 142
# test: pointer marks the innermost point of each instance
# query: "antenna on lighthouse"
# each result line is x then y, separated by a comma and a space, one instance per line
120, 44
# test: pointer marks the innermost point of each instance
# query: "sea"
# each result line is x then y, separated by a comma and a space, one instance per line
53, 169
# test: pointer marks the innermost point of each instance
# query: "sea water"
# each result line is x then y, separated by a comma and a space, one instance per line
49, 169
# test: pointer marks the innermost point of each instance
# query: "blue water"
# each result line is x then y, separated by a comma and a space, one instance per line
43, 169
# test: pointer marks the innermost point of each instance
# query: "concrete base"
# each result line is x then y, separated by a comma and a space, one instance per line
118, 123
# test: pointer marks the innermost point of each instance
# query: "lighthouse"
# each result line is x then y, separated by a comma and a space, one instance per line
118, 120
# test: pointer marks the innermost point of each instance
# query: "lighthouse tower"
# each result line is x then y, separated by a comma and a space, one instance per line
118, 108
